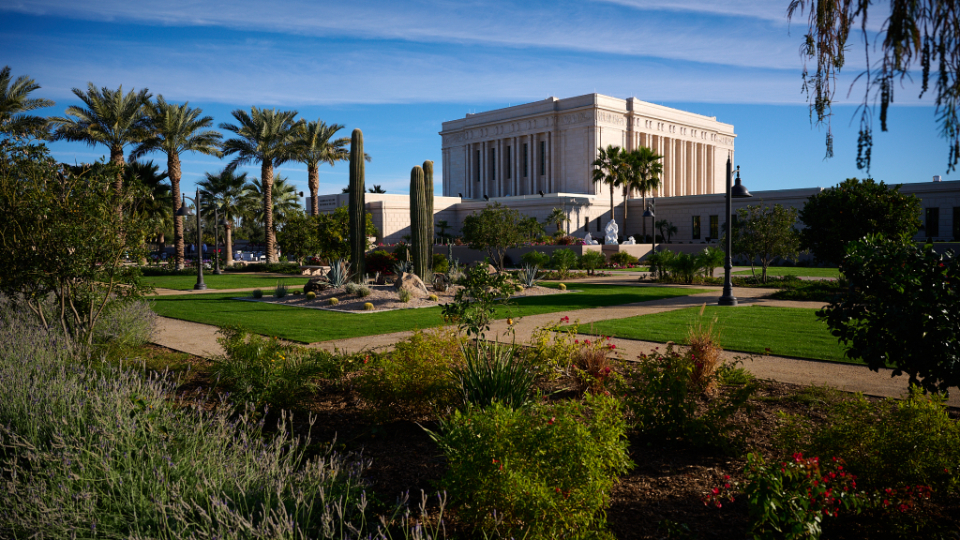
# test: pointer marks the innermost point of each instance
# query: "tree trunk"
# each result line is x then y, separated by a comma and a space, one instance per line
116, 157
173, 171
613, 215
644, 220
313, 178
266, 179
229, 240
626, 199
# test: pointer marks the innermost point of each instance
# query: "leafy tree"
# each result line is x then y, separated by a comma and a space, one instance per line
766, 233
610, 168
333, 233
298, 236
592, 260
923, 31
63, 245
852, 210
225, 192
111, 118
175, 129
495, 229
266, 136
15, 100
642, 173
155, 208
900, 310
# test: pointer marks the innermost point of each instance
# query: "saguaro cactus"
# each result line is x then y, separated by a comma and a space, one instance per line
428, 185
419, 224
357, 209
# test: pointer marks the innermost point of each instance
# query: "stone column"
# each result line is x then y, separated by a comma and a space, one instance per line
548, 161
532, 158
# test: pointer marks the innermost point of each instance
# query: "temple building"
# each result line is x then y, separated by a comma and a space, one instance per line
548, 146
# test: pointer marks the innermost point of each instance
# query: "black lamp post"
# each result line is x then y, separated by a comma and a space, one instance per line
738, 191
184, 211
650, 212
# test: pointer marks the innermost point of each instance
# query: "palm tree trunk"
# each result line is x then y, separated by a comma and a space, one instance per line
173, 171
313, 178
613, 215
644, 220
116, 157
266, 177
229, 243
625, 199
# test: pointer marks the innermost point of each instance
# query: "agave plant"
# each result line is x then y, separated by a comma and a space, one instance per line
339, 273
402, 267
529, 274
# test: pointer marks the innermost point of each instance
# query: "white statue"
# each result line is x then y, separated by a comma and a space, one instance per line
629, 242
589, 241
611, 231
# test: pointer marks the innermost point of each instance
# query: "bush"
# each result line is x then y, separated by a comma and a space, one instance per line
258, 293
271, 268
537, 258
592, 365
659, 262
563, 260
415, 377
440, 264
544, 471
592, 260
622, 258
280, 291
381, 261
264, 371
551, 349
665, 400
493, 373
433, 298
351, 288
125, 325
311, 295
363, 291
404, 295
890, 443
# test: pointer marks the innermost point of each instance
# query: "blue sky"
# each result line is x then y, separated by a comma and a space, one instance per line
397, 69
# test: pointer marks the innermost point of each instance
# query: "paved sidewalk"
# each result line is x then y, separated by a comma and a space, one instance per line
200, 339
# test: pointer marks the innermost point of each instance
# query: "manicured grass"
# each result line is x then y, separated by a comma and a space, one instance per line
795, 271
223, 281
312, 325
784, 331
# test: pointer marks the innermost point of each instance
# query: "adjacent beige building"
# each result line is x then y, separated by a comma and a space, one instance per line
549, 146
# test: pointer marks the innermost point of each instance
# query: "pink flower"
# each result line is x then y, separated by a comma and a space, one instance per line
550, 421
612, 346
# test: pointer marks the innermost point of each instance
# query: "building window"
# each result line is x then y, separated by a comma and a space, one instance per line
493, 164
598, 225
714, 227
477, 176
696, 227
508, 163
933, 222
543, 157
956, 223
586, 224
526, 161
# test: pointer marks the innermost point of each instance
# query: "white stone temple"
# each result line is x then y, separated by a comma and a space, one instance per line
549, 146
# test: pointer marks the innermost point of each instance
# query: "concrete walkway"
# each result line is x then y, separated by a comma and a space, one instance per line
200, 340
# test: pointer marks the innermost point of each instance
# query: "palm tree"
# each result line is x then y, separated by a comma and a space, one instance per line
225, 192
112, 118
609, 169
642, 174
557, 217
15, 100
284, 198
376, 189
175, 129
156, 208
667, 229
267, 136
315, 145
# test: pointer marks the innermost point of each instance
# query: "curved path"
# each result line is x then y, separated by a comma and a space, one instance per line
200, 340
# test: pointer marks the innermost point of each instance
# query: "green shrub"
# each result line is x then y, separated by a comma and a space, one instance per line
258, 293
537, 258
264, 371
659, 262
404, 295
271, 268
125, 325
492, 372
622, 258
351, 288
280, 291
381, 261
592, 260
563, 260
440, 264
363, 291
551, 349
544, 471
890, 443
665, 400
311, 295
415, 377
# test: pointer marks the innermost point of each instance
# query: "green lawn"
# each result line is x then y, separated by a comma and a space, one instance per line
223, 281
311, 325
785, 331
795, 271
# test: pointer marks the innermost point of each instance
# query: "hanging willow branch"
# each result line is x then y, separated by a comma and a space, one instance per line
924, 31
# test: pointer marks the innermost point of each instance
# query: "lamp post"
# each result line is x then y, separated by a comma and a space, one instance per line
738, 191
184, 212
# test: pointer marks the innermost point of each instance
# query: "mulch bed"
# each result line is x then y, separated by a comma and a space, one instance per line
661, 497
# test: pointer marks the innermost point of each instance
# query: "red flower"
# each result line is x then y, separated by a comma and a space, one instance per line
550, 421
612, 346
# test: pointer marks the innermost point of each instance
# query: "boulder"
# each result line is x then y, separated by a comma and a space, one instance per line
315, 285
411, 283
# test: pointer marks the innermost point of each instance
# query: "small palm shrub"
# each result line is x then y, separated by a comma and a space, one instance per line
529, 274
592, 260
563, 260
404, 295
538, 472
311, 295
622, 258
683, 267
535, 258
334, 301
280, 291
659, 262
368, 307
258, 293
492, 372
709, 260
415, 377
